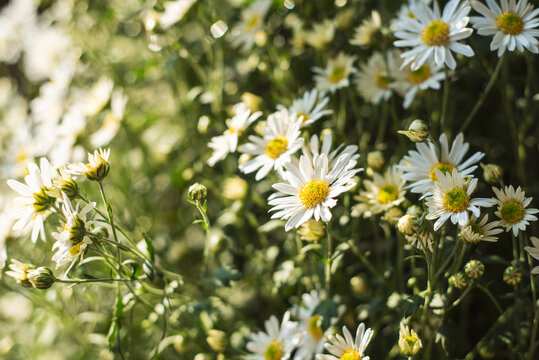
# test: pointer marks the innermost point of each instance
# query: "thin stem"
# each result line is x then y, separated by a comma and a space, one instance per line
492, 298
366, 262
460, 298
483, 95
445, 100
329, 250
80, 281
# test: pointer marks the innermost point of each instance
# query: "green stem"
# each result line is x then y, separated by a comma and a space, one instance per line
80, 281
492, 298
483, 95
460, 298
445, 101
329, 250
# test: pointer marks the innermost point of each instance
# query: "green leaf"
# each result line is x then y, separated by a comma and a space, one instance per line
149, 245
410, 304
117, 319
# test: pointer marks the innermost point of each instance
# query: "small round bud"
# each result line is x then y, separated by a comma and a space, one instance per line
375, 160
474, 269
492, 173
197, 192
458, 280
41, 278
407, 224
392, 215
312, 230
418, 131
512, 275
217, 340
359, 284
409, 341
252, 101
412, 282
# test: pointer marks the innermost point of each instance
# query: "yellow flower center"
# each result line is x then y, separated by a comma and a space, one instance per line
313, 193
512, 212
314, 327
388, 194
476, 228
420, 75
43, 201
75, 249
410, 341
436, 33
336, 75
351, 354
251, 24
274, 351
276, 147
382, 80
445, 168
510, 23
456, 200
304, 115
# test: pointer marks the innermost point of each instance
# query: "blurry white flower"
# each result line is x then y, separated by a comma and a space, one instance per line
112, 121
281, 140
97, 97
36, 199
311, 189
97, 167
227, 143
476, 231
534, 252
310, 107
365, 31
419, 166
346, 347
451, 198
174, 12
277, 342
321, 34
512, 25
512, 209
432, 34
17, 20
252, 20
72, 238
376, 78
410, 82
336, 74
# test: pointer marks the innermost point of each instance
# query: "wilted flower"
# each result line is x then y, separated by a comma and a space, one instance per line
476, 231
409, 341
407, 224
418, 131
96, 169
19, 271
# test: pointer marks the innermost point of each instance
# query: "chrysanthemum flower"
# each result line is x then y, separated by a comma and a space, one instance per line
512, 209
451, 198
112, 121
364, 32
336, 74
409, 341
19, 271
72, 239
346, 348
281, 140
311, 189
476, 231
406, 12
252, 20
37, 198
512, 24
434, 34
96, 169
410, 82
310, 107
419, 166
534, 252
315, 148
277, 343
321, 34
227, 143
383, 192
376, 78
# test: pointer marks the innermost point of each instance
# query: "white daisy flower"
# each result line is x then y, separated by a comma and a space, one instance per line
410, 82
451, 198
281, 140
383, 193
252, 20
512, 24
432, 34
375, 79
174, 12
37, 199
419, 166
315, 148
311, 189
365, 31
72, 239
112, 121
97, 167
310, 107
277, 343
336, 74
345, 348
477, 231
321, 34
534, 252
512, 209
227, 143
406, 12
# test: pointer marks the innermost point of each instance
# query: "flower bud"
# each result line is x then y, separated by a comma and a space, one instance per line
98, 165
512, 275
492, 173
407, 224
458, 280
418, 131
409, 341
66, 184
19, 271
375, 160
217, 340
197, 192
312, 230
41, 278
474, 269
411, 282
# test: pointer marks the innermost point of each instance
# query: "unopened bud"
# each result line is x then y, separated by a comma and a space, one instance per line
492, 173
418, 131
375, 160
197, 192
41, 278
512, 275
407, 224
312, 230
458, 280
474, 269
98, 165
